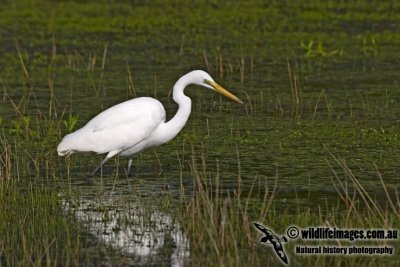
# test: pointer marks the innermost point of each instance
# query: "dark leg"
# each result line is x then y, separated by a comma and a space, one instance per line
98, 167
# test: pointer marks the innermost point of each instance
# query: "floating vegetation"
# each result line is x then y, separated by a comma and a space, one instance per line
316, 142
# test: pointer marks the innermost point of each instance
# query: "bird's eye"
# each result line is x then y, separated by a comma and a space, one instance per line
207, 82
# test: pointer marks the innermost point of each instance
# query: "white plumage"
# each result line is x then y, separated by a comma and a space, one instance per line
129, 127
109, 131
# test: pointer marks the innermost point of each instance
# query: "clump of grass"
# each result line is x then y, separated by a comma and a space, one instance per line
219, 222
34, 231
313, 49
363, 207
295, 90
5, 159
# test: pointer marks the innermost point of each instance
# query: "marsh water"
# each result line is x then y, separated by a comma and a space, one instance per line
319, 83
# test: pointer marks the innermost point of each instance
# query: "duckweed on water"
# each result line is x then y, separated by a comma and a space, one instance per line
316, 142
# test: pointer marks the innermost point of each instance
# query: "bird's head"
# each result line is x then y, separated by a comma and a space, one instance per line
202, 78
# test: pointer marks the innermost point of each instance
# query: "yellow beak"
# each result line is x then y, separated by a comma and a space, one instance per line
224, 92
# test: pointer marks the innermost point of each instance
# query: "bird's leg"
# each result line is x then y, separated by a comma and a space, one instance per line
128, 172
101, 164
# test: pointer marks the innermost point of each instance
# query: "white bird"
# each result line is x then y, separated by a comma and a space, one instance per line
134, 125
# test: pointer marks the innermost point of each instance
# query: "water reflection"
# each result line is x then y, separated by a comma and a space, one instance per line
139, 232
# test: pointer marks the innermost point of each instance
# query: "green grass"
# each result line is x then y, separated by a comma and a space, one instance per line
219, 222
34, 229
216, 217
315, 143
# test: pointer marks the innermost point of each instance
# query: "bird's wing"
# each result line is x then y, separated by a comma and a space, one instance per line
260, 227
279, 250
266, 231
282, 256
122, 126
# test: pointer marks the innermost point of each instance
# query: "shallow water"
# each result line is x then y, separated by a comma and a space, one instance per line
342, 60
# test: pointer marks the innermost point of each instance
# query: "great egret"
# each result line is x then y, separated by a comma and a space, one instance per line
130, 127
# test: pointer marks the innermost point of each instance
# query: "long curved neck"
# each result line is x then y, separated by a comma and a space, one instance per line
175, 125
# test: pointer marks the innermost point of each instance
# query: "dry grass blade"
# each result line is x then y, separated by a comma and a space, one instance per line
392, 205
371, 205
